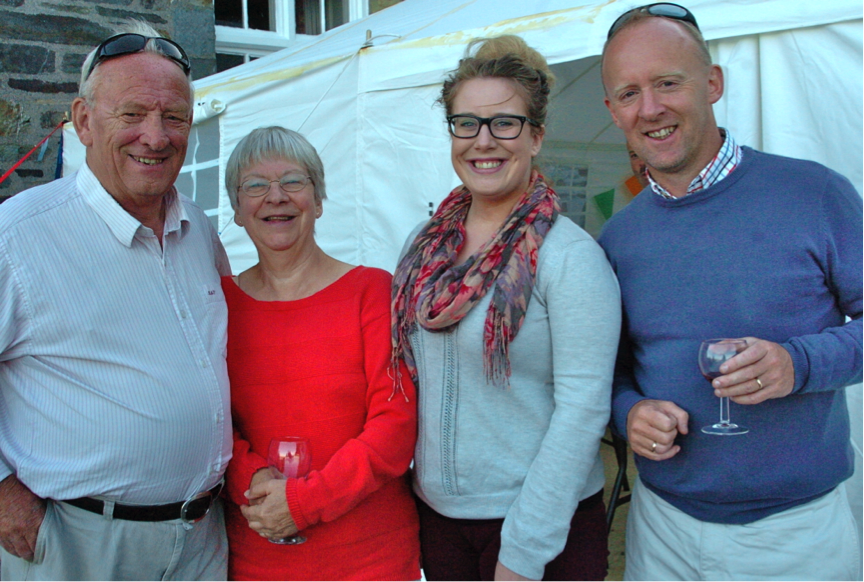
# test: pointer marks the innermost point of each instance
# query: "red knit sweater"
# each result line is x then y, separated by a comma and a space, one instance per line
318, 368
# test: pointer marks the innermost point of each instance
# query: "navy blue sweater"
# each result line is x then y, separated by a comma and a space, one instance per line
773, 251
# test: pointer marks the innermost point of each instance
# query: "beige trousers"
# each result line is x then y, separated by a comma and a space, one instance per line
75, 544
814, 541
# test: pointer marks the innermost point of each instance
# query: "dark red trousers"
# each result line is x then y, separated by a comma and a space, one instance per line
467, 549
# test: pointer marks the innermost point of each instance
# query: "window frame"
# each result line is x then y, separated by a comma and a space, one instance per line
258, 43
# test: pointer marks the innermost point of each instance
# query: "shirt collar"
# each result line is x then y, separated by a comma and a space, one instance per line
125, 226
720, 166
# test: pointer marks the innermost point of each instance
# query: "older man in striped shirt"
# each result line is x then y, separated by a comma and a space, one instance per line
115, 426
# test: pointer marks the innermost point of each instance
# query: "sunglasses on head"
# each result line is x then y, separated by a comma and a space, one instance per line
664, 9
130, 43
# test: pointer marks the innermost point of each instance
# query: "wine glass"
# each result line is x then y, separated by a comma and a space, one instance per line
712, 353
289, 458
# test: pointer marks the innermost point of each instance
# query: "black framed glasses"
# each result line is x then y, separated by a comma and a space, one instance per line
664, 9
255, 187
500, 126
129, 43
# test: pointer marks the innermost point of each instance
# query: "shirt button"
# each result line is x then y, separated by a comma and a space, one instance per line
183, 314
203, 363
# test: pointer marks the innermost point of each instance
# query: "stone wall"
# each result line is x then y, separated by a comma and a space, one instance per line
42, 46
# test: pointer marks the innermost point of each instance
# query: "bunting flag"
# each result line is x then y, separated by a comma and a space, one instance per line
28, 154
58, 170
606, 203
633, 185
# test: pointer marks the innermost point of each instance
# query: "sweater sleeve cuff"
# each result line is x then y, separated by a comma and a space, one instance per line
293, 499
800, 364
622, 403
521, 561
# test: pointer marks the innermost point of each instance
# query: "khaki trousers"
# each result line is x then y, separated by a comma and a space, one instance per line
814, 541
75, 544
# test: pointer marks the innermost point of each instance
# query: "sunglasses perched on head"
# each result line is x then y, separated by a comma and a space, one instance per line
130, 43
664, 9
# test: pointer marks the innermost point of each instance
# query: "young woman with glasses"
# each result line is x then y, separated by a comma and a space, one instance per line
507, 315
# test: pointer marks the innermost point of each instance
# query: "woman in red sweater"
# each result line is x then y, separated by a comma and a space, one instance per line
308, 356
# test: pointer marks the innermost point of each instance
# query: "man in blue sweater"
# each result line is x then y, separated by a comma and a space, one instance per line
729, 242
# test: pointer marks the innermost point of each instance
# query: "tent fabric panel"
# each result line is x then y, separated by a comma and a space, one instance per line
823, 102
576, 110
404, 161
772, 104
730, 19
740, 108
74, 151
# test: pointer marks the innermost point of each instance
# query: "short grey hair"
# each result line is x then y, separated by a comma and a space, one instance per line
87, 85
273, 143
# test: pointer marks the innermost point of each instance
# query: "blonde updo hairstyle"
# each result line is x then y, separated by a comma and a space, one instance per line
504, 57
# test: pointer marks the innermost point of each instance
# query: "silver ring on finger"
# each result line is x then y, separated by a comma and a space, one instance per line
653, 446
759, 383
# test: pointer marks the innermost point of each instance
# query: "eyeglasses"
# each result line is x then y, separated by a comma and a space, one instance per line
500, 126
255, 187
664, 9
130, 43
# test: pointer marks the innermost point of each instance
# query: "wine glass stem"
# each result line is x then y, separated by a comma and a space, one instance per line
724, 410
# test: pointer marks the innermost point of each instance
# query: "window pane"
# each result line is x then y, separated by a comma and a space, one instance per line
337, 13
207, 188
307, 15
376, 5
259, 14
229, 13
570, 181
226, 61
204, 145
199, 177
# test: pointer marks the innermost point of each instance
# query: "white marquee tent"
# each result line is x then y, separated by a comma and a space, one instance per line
794, 87
364, 95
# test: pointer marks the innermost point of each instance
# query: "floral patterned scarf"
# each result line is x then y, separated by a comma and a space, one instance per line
428, 289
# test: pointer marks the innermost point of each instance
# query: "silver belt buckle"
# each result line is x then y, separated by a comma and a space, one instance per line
184, 509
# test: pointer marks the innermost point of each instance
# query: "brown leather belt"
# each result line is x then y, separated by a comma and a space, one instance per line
192, 510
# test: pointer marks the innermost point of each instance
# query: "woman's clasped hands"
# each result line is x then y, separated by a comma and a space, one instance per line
267, 512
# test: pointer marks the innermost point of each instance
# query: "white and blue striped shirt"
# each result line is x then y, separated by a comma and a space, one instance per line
113, 380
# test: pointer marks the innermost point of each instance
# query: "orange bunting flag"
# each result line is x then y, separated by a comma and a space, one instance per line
633, 185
